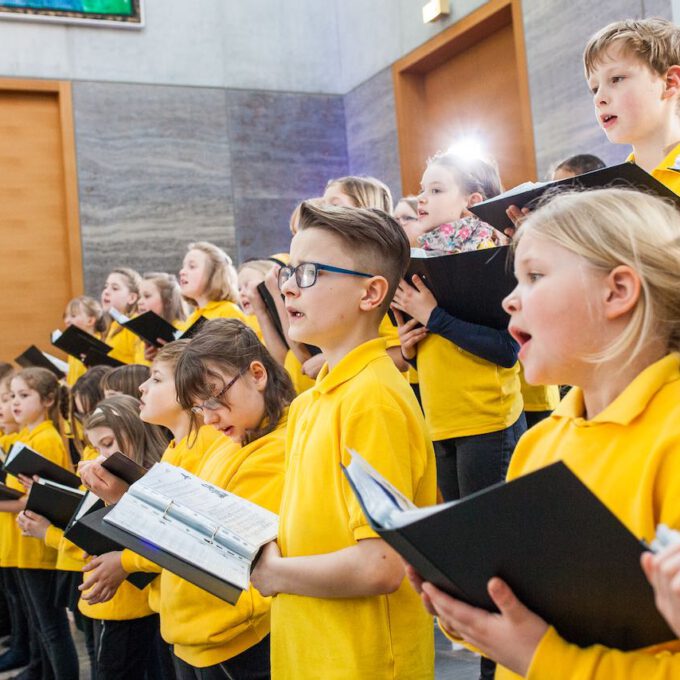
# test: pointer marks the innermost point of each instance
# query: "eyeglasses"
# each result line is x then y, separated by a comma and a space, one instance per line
306, 273
213, 403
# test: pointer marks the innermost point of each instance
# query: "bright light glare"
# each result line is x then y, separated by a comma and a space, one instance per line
467, 147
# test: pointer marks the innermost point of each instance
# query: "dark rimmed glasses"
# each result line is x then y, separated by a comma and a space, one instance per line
213, 403
306, 273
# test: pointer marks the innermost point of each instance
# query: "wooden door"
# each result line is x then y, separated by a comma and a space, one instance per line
469, 80
41, 260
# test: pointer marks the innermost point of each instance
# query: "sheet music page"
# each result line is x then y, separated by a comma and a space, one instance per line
16, 447
235, 522
176, 538
60, 364
88, 501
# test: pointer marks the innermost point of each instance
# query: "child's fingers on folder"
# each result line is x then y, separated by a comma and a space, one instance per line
32, 524
663, 572
516, 216
416, 582
509, 637
104, 578
417, 302
26, 481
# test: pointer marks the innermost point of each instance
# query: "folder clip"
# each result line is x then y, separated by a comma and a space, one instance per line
212, 536
167, 509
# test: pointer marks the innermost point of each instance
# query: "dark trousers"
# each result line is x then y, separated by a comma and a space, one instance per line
19, 642
535, 417
468, 464
252, 664
125, 649
163, 667
56, 648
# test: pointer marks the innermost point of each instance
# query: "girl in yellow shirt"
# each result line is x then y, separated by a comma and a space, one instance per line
121, 293
596, 307
209, 282
186, 450
35, 406
160, 293
87, 314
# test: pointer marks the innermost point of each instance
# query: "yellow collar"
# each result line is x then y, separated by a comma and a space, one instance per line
671, 162
350, 365
631, 402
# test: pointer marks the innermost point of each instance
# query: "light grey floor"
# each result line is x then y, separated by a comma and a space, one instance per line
449, 664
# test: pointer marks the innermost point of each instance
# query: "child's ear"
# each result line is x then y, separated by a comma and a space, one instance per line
374, 293
672, 81
623, 291
258, 373
474, 198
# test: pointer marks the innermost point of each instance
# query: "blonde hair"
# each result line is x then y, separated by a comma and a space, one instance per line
365, 192
171, 296
47, 386
133, 281
656, 42
221, 278
143, 442
90, 307
474, 175
612, 227
260, 266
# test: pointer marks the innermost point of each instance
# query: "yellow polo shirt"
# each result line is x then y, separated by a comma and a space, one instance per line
364, 403
629, 456
203, 629
217, 309
32, 553
665, 172
125, 343
538, 397
8, 525
463, 394
76, 369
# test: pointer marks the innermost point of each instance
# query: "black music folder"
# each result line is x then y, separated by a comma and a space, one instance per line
150, 328
125, 468
78, 343
23, 460
471, 285
7, 493
566, 556
54, 501
35, 357
85, 531
625, 175
272, 311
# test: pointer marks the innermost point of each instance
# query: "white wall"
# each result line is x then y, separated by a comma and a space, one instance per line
327, 46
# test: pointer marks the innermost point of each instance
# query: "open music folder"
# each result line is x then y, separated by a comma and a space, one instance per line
623, 175
35, 357
192, 528
566, 556
54, 501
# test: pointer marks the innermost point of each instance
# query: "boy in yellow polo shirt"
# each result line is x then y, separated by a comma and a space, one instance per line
341, 602
633, 71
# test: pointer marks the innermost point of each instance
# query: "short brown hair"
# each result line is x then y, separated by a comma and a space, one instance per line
365, 192
229, 344
372, 237
126, 379
656, 42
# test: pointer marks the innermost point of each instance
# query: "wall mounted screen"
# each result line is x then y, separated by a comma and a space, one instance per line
116, 13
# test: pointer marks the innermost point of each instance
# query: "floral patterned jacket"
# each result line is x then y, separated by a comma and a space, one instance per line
467, 233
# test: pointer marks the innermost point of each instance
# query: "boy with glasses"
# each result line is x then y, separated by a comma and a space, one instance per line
341, 602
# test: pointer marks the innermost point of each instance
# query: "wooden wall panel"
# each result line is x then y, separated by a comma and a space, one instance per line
469, 80
38, 214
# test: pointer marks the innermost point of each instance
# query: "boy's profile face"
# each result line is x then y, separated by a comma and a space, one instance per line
629, 97
321, 314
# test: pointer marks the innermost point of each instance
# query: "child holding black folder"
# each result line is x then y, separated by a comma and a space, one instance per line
35, 406
121, 293
468, 373
596, 306
87, 314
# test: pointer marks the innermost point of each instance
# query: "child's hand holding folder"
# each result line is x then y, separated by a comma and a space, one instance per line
663, 572
509, 637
